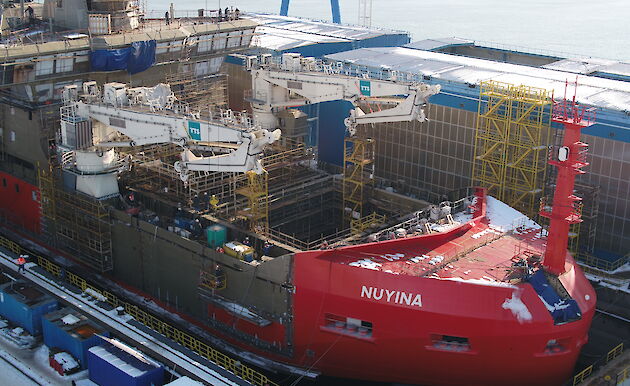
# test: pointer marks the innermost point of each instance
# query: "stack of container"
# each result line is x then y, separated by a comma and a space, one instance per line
111, 366
24, 305
67, 330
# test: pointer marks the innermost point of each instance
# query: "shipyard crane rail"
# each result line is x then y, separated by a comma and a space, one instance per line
295, 80
153, 115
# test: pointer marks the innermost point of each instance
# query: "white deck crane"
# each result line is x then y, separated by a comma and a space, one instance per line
297, 80
152, 115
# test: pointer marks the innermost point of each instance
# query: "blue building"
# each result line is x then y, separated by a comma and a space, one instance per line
433, 159
447, 141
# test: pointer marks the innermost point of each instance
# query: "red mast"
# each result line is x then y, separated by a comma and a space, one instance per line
570, 159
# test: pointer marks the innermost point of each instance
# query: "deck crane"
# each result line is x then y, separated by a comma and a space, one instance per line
296, 80
153, 115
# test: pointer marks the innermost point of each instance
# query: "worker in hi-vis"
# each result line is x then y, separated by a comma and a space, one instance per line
21, 261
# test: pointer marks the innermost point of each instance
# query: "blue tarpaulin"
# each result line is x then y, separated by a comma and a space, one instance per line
137, 58
142, 56
562, 310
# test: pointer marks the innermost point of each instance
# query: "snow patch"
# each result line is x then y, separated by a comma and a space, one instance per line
504, 218
66, 361
561, 305
366, 263
489, 283
518, 308
70, 319
436, 260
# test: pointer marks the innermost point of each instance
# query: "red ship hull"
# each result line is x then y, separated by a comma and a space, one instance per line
19, 202
503, 351
407, 312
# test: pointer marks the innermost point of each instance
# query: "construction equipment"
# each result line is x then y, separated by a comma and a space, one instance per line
296, 80
153, 115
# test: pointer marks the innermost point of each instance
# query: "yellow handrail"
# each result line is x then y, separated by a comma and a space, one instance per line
579, 377
614, 353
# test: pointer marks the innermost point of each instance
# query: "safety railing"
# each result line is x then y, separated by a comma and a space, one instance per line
602, 264
230, 364
579, 377
612, 354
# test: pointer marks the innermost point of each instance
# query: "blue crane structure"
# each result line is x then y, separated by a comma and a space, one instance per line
334, 5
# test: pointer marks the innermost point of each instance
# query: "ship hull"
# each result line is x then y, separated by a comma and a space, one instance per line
407, 315
19, 202
402, 346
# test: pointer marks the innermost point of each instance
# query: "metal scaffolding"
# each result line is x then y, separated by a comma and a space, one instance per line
256, 189
73, 220
76, 221
358, 177
511, 140
200, 92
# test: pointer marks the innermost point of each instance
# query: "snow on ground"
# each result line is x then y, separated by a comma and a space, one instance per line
85, 382
10, 376
504, 218
619, 285
623, 268
518, 308
32, 362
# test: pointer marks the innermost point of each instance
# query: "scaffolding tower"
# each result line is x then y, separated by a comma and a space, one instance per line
77, 222
358, 177
511, 142
72, 220
256, 190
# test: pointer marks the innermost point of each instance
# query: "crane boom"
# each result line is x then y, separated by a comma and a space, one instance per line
148, 116
300, 80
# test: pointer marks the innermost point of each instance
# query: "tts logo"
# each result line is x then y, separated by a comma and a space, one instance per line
364, 86
194, 129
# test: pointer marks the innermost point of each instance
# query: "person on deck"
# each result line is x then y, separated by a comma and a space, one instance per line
30, 13
166, 18
266, 249
21, 261
219, 276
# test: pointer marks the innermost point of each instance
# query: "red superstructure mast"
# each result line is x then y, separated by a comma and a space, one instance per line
570, 160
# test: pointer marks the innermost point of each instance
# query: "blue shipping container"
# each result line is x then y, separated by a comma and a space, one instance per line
24, 305
75, 338
110, 366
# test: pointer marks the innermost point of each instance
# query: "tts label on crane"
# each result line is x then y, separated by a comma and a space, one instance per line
365, 87
194, 129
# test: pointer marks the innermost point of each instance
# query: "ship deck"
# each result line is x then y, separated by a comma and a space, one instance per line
480, 251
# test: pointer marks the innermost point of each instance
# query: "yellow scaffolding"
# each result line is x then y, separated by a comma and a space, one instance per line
358, 163
257, 192
511, 140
